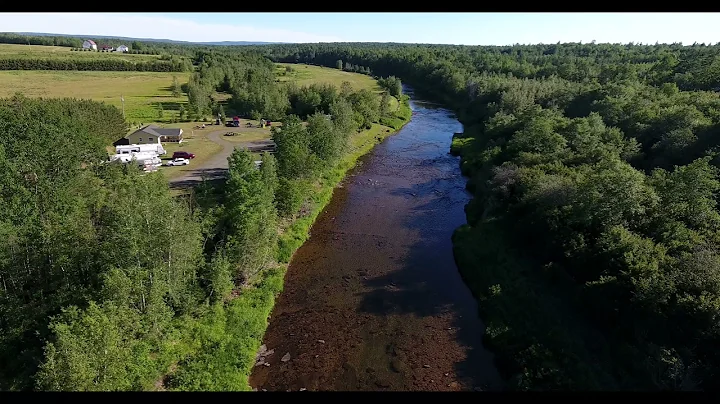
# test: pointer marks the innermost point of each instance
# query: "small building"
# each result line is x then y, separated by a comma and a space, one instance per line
90, 44
107, 48
122, 48
151, 134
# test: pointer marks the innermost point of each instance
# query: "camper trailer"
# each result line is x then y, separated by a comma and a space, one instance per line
140, 148
142, 158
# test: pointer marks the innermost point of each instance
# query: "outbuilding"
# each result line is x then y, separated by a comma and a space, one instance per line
90, 44
151, 134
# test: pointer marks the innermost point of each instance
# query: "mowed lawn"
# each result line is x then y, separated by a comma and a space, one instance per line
63, 52
307, 74
144, 92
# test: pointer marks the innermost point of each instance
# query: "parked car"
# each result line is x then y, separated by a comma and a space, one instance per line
183, 155
230, 134
178, 162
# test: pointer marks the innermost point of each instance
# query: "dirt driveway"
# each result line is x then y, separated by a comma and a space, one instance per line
216, 166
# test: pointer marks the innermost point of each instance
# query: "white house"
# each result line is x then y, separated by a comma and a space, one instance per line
122, 48
90, 44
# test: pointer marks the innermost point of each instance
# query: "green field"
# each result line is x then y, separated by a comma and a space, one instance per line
62, 52
306, 75
143, 91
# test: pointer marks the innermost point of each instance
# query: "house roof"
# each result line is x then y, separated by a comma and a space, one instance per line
157, 131
91, 42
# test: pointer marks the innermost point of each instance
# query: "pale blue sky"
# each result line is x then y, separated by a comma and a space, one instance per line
444, 28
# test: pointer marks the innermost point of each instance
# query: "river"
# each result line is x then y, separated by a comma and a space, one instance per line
373, 300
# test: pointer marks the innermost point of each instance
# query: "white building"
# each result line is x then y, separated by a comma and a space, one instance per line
122, 48
90, 44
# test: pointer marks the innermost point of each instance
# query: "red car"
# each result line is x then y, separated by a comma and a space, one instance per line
183, 155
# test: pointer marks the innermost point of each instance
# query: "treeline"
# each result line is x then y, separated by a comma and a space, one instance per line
591, 238
349, 67
690, 67
174, 65
69, 42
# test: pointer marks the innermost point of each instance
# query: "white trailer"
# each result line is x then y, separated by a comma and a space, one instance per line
141, 148
141, 158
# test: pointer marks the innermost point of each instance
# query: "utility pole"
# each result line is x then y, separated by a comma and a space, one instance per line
122, 99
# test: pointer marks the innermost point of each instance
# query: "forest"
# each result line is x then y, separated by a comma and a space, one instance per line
591, 241
109, 282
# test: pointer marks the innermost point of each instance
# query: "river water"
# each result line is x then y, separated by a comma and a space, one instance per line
373, 300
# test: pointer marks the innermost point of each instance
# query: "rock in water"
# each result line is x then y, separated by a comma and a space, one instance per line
286, 357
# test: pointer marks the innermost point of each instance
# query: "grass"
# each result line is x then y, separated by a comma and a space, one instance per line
62, 52
230, 337
143, 91
308, 74
200, 145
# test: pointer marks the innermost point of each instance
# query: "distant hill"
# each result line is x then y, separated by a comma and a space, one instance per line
221, 43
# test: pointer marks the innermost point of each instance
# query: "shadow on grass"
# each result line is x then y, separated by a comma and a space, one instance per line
193, 178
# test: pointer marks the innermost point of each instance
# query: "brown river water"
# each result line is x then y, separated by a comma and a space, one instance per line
373, 300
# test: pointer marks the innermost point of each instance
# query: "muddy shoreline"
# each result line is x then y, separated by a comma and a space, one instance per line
373, 300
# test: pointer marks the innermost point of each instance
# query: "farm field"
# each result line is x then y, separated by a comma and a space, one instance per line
307, 74
143, 91
62, 52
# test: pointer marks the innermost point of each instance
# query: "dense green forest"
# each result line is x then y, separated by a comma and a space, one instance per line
111, 283
592, 236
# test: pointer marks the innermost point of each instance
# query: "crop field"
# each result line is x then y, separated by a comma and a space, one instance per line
144, 92
62, 52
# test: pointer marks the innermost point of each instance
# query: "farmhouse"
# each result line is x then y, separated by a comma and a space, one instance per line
90, 44
122, 48
151, 134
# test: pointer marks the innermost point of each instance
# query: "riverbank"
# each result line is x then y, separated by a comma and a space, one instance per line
229, 336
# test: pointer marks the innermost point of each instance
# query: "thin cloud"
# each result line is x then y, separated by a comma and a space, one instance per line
135, 26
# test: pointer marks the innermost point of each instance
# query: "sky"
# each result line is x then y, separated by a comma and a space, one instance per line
438, 28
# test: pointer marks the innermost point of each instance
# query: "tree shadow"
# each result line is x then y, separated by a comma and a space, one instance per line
193, 178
